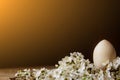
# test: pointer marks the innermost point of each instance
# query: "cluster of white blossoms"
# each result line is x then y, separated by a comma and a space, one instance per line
73, 67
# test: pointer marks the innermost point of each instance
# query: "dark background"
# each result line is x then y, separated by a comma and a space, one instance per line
41, 32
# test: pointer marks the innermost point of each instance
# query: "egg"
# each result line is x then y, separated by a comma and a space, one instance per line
103, 53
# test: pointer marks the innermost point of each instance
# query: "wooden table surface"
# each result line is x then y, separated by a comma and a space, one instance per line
7, 73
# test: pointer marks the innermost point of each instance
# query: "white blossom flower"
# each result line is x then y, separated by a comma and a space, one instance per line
73, 67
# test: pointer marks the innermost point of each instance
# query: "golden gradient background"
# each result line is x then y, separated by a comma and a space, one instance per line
41, 32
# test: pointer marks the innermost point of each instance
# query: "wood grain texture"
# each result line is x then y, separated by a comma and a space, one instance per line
7, 73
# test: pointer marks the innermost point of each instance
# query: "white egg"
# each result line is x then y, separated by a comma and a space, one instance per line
103, 53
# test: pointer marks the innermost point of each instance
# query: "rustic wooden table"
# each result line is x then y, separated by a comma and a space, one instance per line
7, 73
